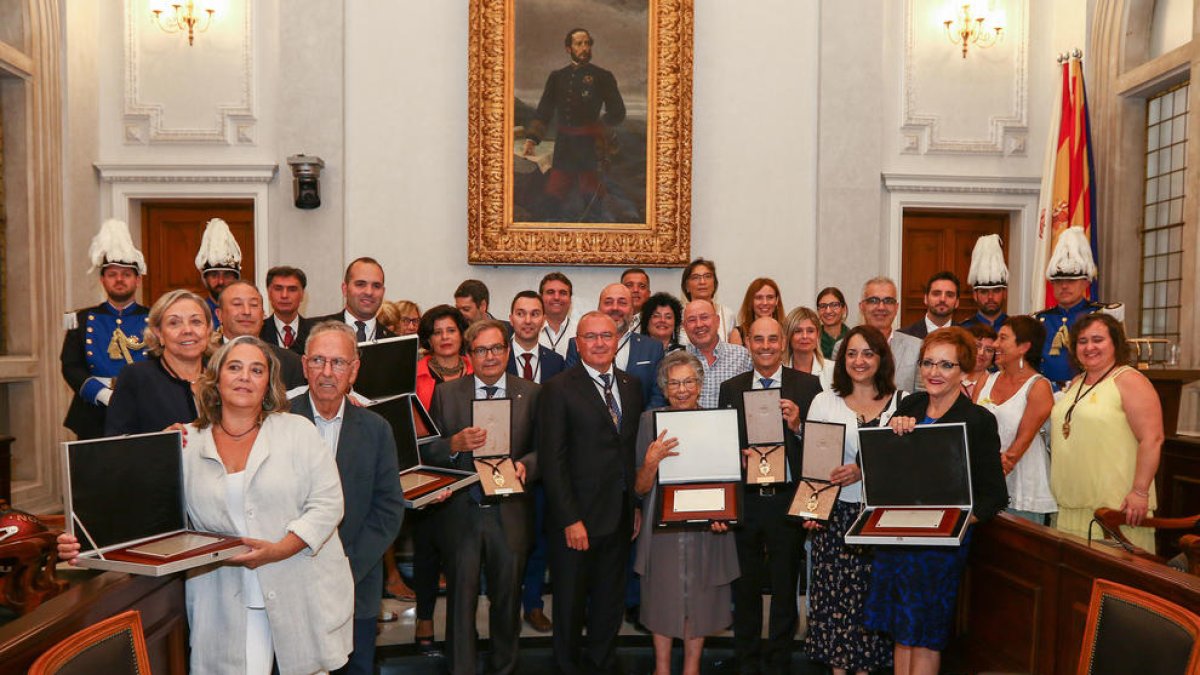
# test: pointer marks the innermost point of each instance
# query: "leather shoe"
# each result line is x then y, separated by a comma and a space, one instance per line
538, 620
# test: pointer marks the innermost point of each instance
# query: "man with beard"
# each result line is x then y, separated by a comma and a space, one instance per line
637, 354
574, 96
769, 545
941, 299
219, 261
102, 340
362, 288
988, 278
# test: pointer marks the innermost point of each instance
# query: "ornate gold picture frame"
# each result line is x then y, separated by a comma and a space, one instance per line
560, 179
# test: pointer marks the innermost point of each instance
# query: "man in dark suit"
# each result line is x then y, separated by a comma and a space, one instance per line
637, 354
479, 534
362, 287
587, 429
285, 291
769, 544
530, 360
941, 299
365, 449
240, 309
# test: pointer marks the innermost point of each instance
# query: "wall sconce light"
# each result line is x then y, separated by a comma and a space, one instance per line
306, 180
972, 24
181, 17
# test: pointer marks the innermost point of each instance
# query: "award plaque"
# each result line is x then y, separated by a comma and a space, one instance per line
125, 503
700, 484
387, 367
764, 421
916, 486
766, 465
814, 499
494, 416
412, 426
824, 444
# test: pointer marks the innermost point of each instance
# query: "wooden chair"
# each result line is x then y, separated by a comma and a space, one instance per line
1132, 631
114, 646
1111, 520
1190, 545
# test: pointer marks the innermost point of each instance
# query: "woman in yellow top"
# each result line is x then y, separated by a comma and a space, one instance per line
1106, 434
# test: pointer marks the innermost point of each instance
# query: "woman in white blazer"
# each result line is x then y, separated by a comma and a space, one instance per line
252, 469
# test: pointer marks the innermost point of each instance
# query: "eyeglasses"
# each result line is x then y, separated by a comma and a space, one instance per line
944, 366
822, 306
988, 350
494, 350
875, 300
702, 276
686, 383
406, 321
593, 337
339, 364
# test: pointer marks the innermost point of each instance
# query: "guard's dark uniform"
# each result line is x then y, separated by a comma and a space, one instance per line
981, 319
576, 94
102, 341
212, 309
1056, 361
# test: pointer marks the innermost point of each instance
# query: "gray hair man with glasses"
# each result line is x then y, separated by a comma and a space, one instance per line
480, 535
365, 449
878, 307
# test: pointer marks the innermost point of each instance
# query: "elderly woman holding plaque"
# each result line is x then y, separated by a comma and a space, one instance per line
914, 588
251, 468
862, 395
686, 574
1106, 434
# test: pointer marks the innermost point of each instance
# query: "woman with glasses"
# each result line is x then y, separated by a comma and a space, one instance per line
862, 395
402, 317
914, 589
831, 307
1021, 400
699, 282
801, 348
162, 390
687, 575
661, 317
762, 299
441, 336
1106, 433
985, 358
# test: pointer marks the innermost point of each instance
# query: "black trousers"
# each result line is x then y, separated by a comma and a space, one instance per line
589, 589
769, 547
474, 541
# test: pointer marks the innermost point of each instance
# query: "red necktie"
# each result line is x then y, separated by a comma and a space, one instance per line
527, 370
288, 337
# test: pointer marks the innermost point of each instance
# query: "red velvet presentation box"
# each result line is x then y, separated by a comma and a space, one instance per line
413, 427
125, 503
916, 487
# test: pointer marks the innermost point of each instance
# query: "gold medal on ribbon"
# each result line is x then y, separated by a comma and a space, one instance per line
1066, 428
812, 503
497, 477
764, 467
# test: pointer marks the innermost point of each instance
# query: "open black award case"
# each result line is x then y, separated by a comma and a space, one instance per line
413, 427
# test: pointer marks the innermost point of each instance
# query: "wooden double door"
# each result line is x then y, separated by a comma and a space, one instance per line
171, 234
934, 241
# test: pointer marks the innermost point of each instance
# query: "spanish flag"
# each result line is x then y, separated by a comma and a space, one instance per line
1068, 195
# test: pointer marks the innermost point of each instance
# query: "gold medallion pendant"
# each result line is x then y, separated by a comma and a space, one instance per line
1066, 429
497, 477
812, 503
764, 467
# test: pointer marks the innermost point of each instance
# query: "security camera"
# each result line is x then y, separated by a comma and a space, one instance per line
306, 180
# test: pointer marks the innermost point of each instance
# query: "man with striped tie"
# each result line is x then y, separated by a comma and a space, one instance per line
587, 429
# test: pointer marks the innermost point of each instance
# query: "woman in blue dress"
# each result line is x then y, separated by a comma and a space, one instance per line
914, 588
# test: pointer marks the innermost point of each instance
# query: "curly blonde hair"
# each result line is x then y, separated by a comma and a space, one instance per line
208, 403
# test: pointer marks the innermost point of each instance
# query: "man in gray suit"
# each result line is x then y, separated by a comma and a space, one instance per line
479, 534
365, 449
878, 307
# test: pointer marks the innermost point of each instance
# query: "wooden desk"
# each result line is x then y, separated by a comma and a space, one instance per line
1026, 593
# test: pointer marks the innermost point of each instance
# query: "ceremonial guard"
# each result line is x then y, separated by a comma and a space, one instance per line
219, 261
103, 339
1070, 273
988, 279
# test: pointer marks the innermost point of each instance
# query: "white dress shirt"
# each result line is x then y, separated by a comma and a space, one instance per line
330, 429
596, 380
279, 325
350, 321
535, 363
501, 388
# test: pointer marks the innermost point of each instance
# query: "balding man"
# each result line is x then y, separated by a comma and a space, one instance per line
768, 542
587, 428
637, 354
721, 360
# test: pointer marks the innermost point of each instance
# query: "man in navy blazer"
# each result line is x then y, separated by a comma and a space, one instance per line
637, 354
365, 449
528, 359
363, 288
